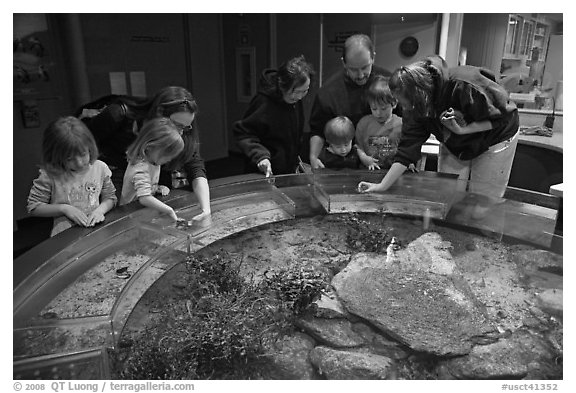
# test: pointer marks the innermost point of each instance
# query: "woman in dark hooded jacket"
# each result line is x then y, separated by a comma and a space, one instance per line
467, 111
270, 133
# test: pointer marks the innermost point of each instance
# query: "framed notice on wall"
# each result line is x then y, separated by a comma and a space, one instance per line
245, 73
30, 113
33, 58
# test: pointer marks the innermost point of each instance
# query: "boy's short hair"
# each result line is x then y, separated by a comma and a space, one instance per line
379, 91
339, 130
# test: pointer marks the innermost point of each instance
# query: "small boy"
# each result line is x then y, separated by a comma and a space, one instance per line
339, 153
378, 134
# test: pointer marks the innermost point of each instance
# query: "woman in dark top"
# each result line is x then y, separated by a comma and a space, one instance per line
270, 134
467, 111
116, 125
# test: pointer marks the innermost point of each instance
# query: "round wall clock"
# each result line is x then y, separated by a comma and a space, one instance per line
409, 46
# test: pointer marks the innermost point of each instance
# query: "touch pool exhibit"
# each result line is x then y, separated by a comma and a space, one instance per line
301, 277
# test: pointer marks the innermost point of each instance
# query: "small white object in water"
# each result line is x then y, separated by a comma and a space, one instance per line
391, 251
426, 220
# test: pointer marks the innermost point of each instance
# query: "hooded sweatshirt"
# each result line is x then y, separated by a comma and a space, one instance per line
271, 128
475, 93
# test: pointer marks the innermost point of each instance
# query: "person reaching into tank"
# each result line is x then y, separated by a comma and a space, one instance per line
468, 112
115, 122
271, 131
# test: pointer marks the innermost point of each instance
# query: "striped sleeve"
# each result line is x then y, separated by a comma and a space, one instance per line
108, 189
41, 191
142, 180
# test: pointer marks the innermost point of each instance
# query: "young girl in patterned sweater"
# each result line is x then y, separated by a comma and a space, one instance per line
73, 186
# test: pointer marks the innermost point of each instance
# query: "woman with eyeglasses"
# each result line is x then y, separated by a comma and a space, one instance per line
271, 131
115, 121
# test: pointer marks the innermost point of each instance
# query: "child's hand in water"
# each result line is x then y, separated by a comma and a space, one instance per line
201, 216
75, 215
370, 162
182, 222
173, 215
94, 218
203, 219
412, 168
163, 190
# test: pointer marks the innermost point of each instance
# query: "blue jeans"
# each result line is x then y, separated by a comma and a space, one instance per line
487, 174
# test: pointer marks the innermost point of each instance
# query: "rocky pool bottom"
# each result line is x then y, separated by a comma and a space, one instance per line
438, 303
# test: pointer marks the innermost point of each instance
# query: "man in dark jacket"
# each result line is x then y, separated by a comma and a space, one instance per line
343, 92
270, 133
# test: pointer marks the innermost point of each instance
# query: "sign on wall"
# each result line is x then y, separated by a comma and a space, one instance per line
245, 73
33, 57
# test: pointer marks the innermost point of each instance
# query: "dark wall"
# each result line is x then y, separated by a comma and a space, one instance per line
337, 27
484, 35
152, 43
536, 169
45, 100
389, 33
242, 31
206, 71
299, 34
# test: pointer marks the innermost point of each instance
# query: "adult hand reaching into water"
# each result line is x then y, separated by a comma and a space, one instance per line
202, 216
391, 176
316, 163
265, 167
203, 219
366, 187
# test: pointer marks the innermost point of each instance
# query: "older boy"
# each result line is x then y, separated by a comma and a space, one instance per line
378, 134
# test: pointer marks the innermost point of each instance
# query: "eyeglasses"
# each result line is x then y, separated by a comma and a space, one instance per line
178, 102
299, 92
183, 128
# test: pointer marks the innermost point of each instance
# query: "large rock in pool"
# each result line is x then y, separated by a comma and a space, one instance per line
289, 357
417, 297
522, 355
338, 364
